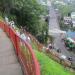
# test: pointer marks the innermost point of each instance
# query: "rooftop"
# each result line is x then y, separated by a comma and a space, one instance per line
71, 34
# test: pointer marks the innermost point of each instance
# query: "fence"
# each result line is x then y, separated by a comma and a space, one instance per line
56, 56
39, 46
24, 51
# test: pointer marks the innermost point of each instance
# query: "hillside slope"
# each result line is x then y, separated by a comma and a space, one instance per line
50, 67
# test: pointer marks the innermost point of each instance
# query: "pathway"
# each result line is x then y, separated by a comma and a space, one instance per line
9, 64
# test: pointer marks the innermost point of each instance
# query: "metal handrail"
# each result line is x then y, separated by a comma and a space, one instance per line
24, 51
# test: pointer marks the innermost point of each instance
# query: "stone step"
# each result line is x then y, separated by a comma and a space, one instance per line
7, 53
6, 60
12, 69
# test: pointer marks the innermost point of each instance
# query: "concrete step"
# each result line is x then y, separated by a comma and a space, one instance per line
6, 49
5, 45
7, 53
13, 69
6, 60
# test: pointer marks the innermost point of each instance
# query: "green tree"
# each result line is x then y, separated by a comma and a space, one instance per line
27, 14
6, 5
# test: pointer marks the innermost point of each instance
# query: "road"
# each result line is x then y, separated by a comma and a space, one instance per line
53, 22
58, 43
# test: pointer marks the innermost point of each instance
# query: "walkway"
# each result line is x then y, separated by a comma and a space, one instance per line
8, 61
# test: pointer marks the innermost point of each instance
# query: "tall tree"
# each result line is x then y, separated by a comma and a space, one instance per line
6, 5
28, 14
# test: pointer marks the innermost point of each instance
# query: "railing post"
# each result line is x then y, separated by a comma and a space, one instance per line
16, 44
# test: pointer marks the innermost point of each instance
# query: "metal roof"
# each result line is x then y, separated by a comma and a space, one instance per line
71, 34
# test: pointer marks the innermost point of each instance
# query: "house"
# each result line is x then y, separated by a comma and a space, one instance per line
67, 20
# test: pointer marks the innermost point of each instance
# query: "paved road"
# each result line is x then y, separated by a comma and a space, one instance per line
9, 64
53, 24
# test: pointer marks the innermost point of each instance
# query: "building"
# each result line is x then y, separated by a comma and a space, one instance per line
73, 18
67, 20
71, 35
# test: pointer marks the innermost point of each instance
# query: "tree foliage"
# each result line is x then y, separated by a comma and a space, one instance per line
5, 6
27, 14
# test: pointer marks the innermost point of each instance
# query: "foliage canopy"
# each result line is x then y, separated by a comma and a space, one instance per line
26, 13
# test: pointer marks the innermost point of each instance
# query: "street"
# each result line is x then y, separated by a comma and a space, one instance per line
58, 43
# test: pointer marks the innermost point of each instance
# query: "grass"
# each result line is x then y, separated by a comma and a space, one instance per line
50, 67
